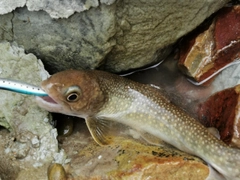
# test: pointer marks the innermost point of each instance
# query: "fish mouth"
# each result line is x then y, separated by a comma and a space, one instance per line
49, 104
48, 99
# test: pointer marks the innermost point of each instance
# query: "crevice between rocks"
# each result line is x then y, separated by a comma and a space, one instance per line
12, 29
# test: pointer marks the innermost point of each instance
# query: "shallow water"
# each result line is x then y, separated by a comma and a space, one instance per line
182, 92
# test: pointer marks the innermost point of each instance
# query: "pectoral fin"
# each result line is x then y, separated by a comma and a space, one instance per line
100, 130
214, 132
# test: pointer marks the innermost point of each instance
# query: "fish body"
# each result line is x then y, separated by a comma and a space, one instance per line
20, 87
100, 97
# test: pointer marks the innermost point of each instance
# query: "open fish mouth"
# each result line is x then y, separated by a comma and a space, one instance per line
48, 99
49, 104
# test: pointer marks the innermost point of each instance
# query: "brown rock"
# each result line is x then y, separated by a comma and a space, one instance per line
214, 48
222, 111
128, 159
142, 162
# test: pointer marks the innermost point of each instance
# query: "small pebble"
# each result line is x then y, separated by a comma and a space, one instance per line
35, 142
56, 172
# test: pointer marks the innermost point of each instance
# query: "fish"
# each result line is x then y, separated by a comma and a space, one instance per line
100, 97
21, 87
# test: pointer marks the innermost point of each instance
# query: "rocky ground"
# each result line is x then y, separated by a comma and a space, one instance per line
116, 36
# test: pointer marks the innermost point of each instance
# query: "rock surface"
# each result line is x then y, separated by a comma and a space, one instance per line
115, 36
218, 46
222, 110
127, 158
56, 9
31, 140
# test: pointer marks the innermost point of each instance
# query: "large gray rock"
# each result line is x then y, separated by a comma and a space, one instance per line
114, 36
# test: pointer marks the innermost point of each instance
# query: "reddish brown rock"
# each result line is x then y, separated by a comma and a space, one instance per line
129, 159
143, 162
204, 54
222, 110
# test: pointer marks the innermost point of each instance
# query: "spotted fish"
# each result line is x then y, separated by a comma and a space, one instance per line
100, 97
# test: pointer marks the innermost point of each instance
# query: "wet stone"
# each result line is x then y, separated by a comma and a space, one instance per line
206, 53
221, 110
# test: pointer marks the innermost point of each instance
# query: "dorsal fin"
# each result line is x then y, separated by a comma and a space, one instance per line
100, 130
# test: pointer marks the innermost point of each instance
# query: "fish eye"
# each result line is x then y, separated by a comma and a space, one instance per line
73, 94
72, 97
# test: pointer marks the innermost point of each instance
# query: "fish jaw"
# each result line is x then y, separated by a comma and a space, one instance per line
49, 104
53, 106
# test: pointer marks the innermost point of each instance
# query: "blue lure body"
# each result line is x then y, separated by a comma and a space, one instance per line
20, 87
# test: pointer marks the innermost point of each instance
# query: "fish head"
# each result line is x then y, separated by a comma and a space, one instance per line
72, 92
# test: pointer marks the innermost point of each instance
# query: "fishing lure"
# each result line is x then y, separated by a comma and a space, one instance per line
20, 87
